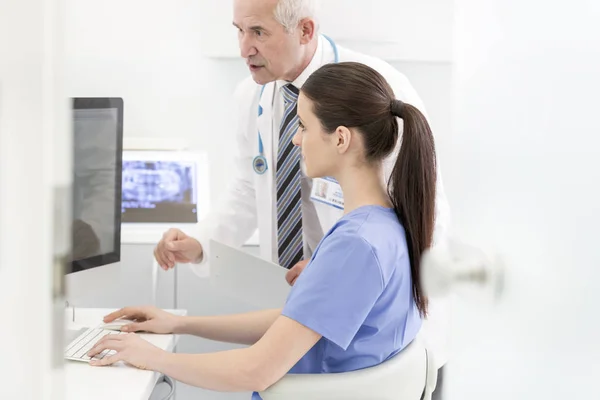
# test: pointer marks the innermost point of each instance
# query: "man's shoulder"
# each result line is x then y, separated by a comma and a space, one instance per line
399, 82
374, 62
381, 66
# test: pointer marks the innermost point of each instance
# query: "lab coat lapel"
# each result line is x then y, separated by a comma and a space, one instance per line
264, 187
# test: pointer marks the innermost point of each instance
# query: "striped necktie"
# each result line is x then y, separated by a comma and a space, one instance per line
287, 178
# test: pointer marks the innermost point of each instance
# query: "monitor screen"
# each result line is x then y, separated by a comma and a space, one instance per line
97, 164
159, 191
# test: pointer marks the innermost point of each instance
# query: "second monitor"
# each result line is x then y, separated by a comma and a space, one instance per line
159, 188
162, 189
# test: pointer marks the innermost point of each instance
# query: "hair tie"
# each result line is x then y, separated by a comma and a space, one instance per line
397, 107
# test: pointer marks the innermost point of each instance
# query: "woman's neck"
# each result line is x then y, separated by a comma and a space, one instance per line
362, 187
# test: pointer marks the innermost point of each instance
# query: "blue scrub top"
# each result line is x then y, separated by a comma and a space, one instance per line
356, 292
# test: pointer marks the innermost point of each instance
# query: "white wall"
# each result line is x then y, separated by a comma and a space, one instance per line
33, 145
405, 30
147, 51
522, 177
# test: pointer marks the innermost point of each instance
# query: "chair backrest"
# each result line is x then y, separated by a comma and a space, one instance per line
409, 375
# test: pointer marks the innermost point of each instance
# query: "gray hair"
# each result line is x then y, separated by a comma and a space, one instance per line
290, 12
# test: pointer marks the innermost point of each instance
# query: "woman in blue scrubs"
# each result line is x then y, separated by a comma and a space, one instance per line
358, 302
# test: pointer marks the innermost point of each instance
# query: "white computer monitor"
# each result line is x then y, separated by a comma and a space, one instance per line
97, 126
163, 189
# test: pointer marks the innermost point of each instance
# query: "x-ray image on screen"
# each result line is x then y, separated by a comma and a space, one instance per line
159, 192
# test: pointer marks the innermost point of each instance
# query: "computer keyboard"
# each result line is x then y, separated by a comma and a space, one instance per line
78, 348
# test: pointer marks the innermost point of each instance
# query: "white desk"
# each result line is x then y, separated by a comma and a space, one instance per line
114, 382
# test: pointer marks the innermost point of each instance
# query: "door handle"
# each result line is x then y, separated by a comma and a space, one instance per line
453, 266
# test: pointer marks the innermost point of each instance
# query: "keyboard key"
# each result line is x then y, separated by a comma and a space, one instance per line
81, 345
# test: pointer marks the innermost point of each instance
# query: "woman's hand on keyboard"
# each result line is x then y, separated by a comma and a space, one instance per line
147, 319
129, 348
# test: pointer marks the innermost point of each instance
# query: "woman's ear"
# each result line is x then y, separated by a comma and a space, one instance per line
343, 138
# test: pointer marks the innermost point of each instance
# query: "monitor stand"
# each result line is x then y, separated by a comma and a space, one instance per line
84, 287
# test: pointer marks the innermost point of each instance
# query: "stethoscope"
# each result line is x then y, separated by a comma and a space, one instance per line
260, 162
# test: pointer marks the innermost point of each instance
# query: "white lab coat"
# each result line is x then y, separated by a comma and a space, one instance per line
250, 201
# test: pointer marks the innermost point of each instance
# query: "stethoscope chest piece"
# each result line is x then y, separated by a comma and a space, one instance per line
260, 164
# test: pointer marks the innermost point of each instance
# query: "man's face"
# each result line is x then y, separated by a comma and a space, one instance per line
270, 51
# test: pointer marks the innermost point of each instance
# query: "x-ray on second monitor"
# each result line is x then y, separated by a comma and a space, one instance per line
96, 202
158, 188
163, 189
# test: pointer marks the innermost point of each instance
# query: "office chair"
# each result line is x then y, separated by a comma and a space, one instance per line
409, 375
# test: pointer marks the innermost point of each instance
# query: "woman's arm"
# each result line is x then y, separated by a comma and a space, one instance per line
245, 328
314, 308
250, 369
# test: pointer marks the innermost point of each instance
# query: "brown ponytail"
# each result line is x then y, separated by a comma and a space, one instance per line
412, 189
355, 95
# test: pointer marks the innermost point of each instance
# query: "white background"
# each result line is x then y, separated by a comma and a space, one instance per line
511, 87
